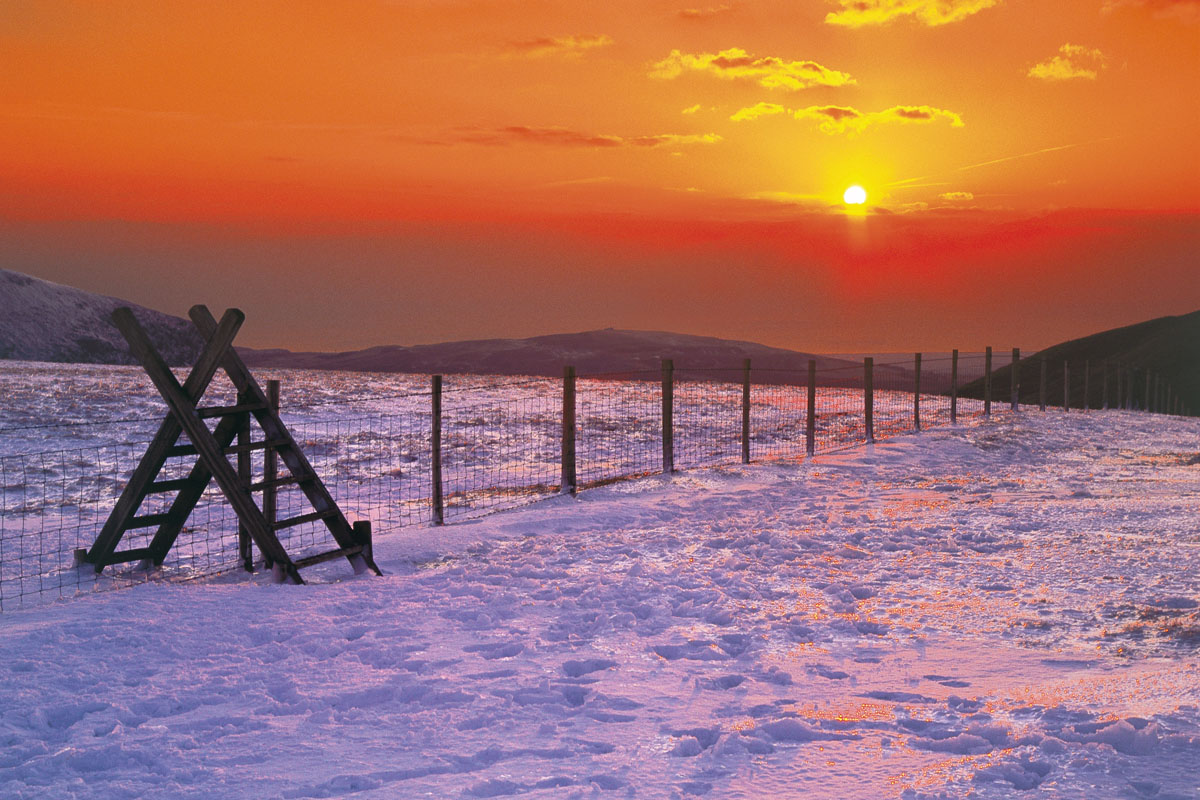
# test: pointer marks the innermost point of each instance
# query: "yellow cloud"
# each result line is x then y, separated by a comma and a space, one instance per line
843, 119
859, 13
758, 110
568, 46
704, 13
956, 197
736, 64
1071, 62
691, 109
566, 137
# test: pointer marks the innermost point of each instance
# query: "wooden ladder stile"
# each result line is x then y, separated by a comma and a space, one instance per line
211, 448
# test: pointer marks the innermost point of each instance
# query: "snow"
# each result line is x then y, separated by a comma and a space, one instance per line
1004, 609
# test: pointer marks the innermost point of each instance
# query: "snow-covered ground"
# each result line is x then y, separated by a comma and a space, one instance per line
1006, 609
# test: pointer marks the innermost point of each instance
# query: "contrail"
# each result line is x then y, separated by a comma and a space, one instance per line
1033, 153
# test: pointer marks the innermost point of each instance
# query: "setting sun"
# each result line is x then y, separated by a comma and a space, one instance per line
855, 195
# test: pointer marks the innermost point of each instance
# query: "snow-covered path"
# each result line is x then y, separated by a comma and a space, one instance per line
1007, 610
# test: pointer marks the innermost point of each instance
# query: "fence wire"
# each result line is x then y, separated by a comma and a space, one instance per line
370, 438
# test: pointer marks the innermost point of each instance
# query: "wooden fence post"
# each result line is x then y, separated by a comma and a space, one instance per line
1147, 406
270, 497
1042, 388
1117, 375
435, 441
953, 387
668, 416
1015, 380
869, 398
810, 425
569, 481
1104, 388
917, 393
746, 411
245, 471
1087, 376
987, 383
1066, 385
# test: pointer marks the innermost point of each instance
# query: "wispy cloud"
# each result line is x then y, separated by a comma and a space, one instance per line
735, 63
1071, 62
561, 46
691, 109
1183, 10
566, 137
860, 13
704, 13
956, 197
843, 119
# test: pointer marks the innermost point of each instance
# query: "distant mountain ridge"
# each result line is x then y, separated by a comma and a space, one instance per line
597, 352
44, 321
1168, 347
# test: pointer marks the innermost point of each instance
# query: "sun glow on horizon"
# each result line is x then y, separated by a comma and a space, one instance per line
855, 195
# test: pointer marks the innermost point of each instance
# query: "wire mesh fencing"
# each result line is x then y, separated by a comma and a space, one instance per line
390, 453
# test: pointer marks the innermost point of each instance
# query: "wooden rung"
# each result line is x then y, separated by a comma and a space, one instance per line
285, 481
168, 486
147, 521
190, 450
208, 412
122, 556
263, 445
303, 518
308, 561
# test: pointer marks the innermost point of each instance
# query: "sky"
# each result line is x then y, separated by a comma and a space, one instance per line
403, 172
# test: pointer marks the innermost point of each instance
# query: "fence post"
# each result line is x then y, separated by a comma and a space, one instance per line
1066, 385
810, 425
1117, 376
435, 440
245, 473
746, 411
1147, 406
568, 482
869, 398
1104, 389
1042, 388
1087, 377
953, 387
270, 498
668, 415
917, 393
1015, 381
987, 383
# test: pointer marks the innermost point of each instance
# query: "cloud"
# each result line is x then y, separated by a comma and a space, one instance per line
704, 13
956, 197
859, 13
843, 119
736, 64
563, 46
758, 110
691, 109
1071, 62
565, 137
1183, 10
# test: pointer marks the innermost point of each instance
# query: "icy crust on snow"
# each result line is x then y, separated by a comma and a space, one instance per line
1005, 610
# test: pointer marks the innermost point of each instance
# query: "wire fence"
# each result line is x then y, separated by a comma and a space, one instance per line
502, 444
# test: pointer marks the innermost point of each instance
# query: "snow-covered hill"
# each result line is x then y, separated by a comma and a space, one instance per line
1003, 610
44, 321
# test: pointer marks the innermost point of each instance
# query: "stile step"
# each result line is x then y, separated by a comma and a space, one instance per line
208, 412
344, 552
146, 521
303, 518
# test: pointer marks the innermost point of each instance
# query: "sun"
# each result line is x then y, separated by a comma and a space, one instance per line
855, 195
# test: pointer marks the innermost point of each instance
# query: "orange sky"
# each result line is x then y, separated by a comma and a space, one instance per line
432, 170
